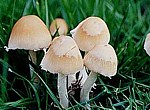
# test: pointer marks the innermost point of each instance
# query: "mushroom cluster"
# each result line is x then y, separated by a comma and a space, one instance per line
63, 52
92, 36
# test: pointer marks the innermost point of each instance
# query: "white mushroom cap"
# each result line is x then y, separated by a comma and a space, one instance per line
102, 59
63, 56
29, 33
59, 24
147, 44
90, 32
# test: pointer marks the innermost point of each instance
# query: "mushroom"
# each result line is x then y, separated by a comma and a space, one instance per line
101, 59
64, 58
29, 33
147, 44
90, 32
59, 24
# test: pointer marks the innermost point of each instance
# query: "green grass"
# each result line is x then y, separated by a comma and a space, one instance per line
128, 22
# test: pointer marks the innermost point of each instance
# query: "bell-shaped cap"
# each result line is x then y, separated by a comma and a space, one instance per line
29, 33
63, 56
102, 59
59, 24
90, 32
147, 44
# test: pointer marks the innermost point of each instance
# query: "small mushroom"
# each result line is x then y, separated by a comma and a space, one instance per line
60, 25
64, 58
29, 33
101, 59
90, 32
147, 44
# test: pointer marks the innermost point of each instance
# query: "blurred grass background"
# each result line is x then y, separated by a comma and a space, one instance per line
128, 22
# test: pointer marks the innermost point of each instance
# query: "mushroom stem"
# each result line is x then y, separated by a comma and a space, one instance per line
83, 75
71, 79
62, 90
84, 94
33, 58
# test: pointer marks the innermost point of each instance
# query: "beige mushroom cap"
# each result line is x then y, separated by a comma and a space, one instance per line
147, 44
102, 59
29, 33
90, 32
59, 24
63, 56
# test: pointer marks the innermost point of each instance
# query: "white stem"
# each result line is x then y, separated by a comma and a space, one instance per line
84, 94
71, 79
83, 74
33, 58
62, 90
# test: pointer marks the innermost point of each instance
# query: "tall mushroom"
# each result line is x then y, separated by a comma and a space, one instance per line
29, 33
64, 58
101, 59
90, 32
59, 24
147, 44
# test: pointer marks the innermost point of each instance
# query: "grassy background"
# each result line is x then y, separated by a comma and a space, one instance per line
128, 22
